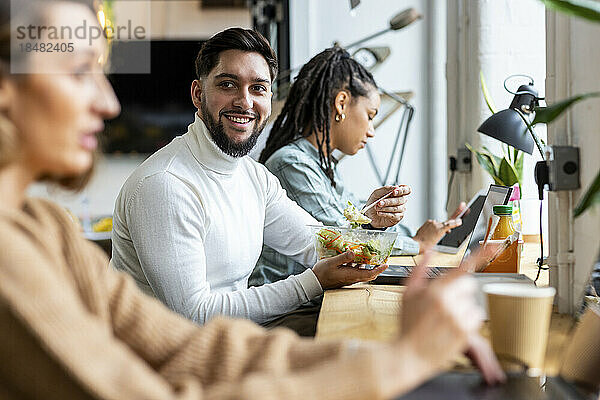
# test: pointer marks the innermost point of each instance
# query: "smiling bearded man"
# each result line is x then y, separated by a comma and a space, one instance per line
190, 222
217, 132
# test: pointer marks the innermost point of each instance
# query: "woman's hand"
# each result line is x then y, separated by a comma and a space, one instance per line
335, 272
442, 320
438, 318
432, 231
389, 211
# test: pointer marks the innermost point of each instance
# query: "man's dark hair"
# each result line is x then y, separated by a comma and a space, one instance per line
309, 104
234, 39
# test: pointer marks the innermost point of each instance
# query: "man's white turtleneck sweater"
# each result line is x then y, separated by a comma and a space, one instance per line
189, 225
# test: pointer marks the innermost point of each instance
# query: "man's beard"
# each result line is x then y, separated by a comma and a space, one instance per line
223, 142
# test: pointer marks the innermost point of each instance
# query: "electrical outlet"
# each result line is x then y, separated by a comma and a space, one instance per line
563, 168
463, 160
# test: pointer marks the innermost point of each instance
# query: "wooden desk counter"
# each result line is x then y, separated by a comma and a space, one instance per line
371, 312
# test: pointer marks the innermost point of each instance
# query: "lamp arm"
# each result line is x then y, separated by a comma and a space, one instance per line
394, 96
536, 139
290, 71
403, 129
374, 35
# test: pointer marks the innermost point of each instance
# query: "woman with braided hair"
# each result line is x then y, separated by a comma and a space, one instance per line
309, 104
331, 106
326, 82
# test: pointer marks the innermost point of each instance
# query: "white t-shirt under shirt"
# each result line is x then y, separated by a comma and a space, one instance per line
189, 225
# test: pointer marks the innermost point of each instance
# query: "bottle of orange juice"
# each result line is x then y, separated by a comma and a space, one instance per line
505, 226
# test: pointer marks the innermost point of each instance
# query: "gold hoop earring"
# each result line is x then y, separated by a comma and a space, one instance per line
340, 117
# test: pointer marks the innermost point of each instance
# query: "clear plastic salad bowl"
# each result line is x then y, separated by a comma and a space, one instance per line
371, 247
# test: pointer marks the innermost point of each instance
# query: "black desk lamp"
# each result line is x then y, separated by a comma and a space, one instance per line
511, 126
508, 126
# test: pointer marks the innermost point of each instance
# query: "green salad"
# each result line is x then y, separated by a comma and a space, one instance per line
355, 217
332, 242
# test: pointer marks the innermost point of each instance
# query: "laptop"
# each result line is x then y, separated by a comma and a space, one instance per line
475, 226
470, 385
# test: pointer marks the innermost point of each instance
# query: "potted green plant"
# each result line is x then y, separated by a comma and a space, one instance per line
506, 170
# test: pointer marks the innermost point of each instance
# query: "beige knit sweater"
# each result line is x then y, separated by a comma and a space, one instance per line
71, 328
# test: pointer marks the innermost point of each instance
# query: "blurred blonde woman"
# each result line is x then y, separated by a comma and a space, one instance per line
71, 328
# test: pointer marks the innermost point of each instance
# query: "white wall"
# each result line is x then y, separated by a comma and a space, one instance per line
315, 25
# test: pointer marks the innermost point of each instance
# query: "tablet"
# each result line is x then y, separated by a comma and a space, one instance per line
452, 240
472, 220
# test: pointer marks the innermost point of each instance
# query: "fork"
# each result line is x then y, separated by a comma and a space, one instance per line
364, 209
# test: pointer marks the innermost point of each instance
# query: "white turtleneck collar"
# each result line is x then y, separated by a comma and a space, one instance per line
206, 151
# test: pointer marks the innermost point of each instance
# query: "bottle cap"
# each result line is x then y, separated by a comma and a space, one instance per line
502, 210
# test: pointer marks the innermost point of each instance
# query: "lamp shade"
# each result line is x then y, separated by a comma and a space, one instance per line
404, 18
508, 127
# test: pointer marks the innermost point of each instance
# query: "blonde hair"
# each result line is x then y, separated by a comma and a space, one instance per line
8, 140
8, 134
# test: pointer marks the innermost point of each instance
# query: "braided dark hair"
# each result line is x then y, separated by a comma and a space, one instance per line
310, 102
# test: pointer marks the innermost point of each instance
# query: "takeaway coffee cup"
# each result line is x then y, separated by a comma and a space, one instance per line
519, 317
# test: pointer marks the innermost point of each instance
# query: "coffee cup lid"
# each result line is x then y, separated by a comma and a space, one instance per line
518, 290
